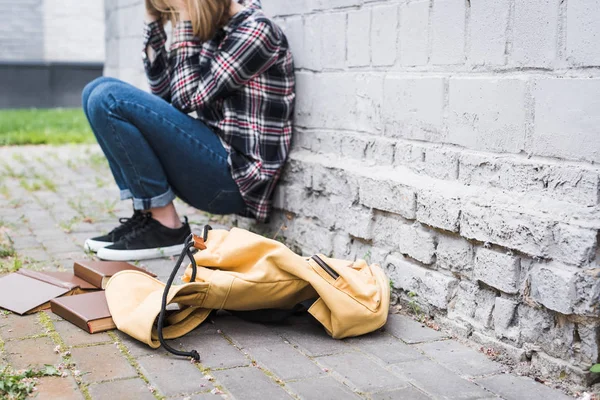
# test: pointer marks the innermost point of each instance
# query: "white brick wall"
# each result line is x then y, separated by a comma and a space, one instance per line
457, 144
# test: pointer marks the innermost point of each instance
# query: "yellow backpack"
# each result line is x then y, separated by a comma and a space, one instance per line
238, 270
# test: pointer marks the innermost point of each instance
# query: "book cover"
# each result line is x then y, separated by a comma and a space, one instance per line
88, 311
99, 272
22, 294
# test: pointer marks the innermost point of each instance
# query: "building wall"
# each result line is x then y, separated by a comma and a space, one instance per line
52, 31
457, 143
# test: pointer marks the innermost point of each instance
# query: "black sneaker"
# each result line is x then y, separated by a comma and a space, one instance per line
127, 224
148, 239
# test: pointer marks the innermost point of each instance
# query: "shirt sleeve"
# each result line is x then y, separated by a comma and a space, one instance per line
157, 69
200, 75
252, 4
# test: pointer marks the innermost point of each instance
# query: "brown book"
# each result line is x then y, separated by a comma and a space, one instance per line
27, 291
88, 311
99, 272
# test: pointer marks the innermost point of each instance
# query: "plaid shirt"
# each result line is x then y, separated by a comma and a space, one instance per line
241, 84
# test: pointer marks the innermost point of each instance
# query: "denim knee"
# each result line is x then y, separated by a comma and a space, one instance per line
91, 87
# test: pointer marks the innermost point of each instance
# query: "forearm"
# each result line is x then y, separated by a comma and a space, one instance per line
156, 62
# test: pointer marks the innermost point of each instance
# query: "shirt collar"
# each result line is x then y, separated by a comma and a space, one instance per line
237, 19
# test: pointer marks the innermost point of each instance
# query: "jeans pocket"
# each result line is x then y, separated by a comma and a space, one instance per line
223, 202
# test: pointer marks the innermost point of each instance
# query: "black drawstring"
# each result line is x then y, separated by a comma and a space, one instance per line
187, 250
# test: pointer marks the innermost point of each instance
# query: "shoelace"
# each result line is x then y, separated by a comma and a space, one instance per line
127, 223
189, 251
143, 225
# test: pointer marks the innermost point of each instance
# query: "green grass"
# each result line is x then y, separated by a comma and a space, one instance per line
44, 126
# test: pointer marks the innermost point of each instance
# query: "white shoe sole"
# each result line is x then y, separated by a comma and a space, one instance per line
144, 254
94, 245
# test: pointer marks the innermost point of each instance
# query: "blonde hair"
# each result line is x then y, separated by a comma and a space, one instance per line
207, 16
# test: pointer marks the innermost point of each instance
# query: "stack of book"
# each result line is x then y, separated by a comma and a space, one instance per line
76, 296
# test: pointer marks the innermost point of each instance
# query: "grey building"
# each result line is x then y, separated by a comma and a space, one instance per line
49, 49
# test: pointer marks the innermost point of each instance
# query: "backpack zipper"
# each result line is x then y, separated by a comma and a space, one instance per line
325, 267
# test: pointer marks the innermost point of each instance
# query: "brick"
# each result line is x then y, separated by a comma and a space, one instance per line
237, 381
285, 362
512, 387
388, 195
385, 347
499, 270
413, 107
505, 318
325, 100
460, 358
331, 52
567, 115
359, 45
583, 33
414, 33
49, 388
172, 375
511, 229
547, 179
369, 100
455, 254
411, 331
431, 286
448, 32
555, 287
131, 21
473, 305
487, 113
384, 34
538, 328
369, 377
439, 209
322, 388
121, 390
134, 346
75, 336
21, 356
113, 366
14, 326
438, 381
574, 245
534, 33
293, 28
311, 237
247, 334
441, 163
488, 25
407, 393
410, 239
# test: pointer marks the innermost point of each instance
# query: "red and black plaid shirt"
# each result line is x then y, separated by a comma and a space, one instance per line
241, 84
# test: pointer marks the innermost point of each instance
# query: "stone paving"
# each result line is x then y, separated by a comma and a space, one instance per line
52, 198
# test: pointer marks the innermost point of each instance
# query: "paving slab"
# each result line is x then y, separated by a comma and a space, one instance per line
121, 390
321, 388
31, 353
511, 387
72, 335
460, 358
54, 387
438, 381
250, 383
360, 373
385, 347
102, 363
407, 393
411, 331
172, 375
285, 361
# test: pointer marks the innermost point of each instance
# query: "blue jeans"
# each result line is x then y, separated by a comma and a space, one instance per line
156, 152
